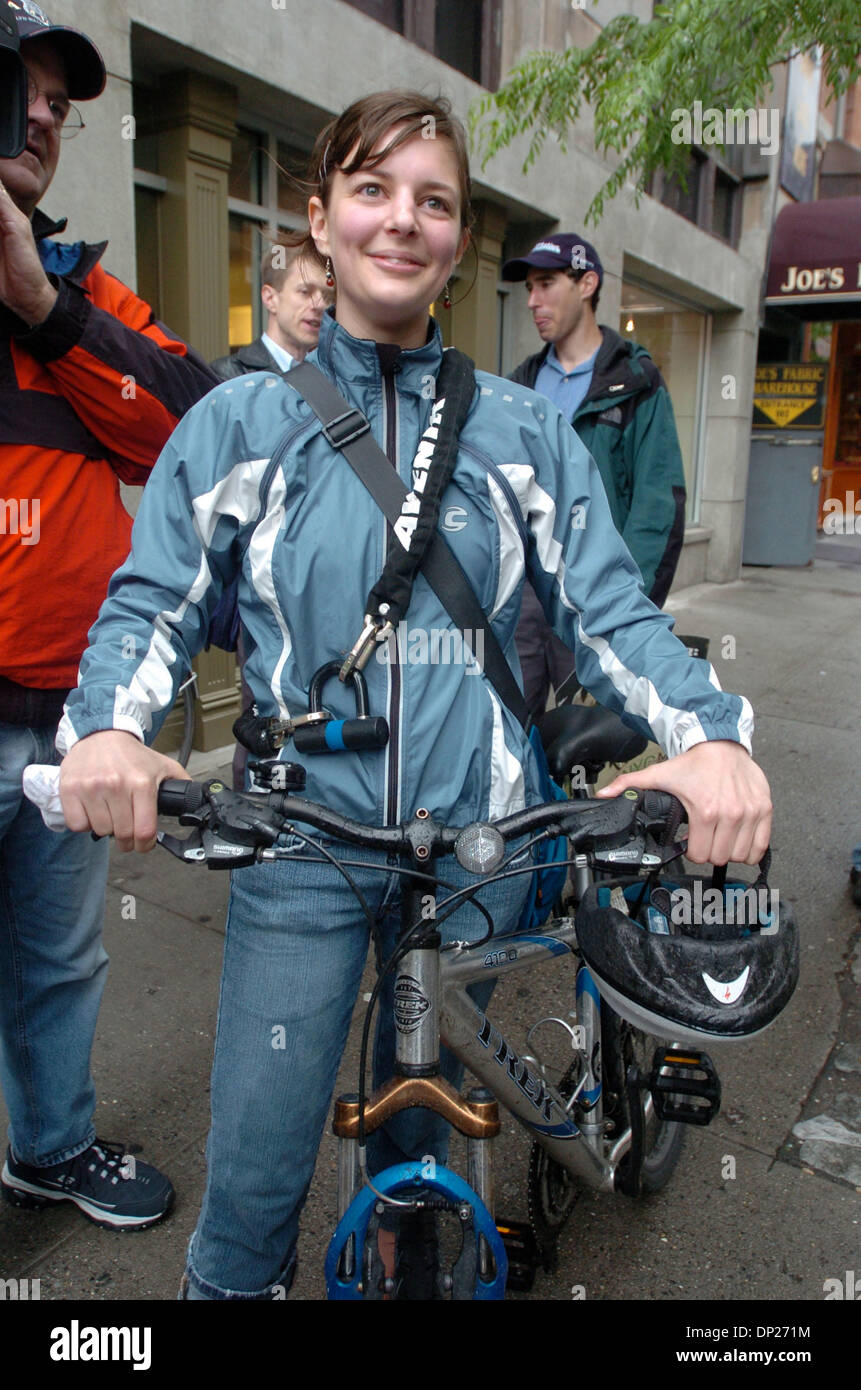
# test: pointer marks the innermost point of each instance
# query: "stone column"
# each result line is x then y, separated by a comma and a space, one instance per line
196, 129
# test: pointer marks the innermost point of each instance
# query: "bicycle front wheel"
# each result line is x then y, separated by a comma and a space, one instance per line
621, 1045
187, 693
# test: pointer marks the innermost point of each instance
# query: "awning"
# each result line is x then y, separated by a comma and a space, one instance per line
816, 257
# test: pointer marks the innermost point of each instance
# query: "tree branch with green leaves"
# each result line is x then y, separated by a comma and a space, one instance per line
635, 75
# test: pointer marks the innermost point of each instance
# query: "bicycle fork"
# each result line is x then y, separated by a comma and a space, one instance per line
417, 1081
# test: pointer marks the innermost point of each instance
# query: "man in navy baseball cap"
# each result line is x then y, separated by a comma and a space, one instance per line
610, 390
565, 251
84, 67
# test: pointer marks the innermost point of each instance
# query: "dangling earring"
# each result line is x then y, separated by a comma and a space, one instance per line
330, 278
446, 297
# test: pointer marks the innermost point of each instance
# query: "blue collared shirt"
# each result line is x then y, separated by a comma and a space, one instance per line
566, 390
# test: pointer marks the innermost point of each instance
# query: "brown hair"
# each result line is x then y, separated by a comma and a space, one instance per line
359, 129
277, 259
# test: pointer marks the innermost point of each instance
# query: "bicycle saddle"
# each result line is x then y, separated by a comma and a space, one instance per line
586, 736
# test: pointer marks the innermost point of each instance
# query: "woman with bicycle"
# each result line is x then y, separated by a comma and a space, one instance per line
250, 485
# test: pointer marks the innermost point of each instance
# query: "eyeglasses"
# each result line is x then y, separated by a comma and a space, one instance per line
67, 118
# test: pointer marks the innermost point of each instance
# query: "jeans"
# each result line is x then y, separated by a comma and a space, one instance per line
52, 964
294, 955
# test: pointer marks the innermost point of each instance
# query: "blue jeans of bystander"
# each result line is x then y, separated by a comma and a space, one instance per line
52, 964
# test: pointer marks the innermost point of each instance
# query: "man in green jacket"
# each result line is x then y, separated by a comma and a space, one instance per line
614, 396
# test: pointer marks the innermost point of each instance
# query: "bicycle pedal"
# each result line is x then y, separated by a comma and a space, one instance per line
685, 1086
524, 1256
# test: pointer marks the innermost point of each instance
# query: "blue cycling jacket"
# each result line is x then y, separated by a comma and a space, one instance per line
247, 483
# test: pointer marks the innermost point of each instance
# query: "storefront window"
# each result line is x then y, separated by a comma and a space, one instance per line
147, 243
262, 202
145, 107
292, 165
463, 33
847, 396
676, 336
245, 252
457, 33
246, 167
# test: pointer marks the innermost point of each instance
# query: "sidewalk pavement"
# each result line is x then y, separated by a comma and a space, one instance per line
765, 1203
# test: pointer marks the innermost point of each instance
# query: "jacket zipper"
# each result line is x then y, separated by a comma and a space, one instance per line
505, 486
392, 807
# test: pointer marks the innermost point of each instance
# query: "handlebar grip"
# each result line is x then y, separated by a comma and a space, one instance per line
341, 735
175, 797
663, 806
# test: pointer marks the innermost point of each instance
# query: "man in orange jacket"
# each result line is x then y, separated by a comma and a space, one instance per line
90, 388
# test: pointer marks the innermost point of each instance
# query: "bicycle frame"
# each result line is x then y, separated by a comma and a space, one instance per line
432, 1005
479, 1044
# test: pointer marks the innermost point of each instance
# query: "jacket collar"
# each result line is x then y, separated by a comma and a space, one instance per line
91, 252
43, 226
616, 365
258, 358
349, 359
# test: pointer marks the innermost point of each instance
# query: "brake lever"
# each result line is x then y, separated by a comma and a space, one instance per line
209, 848
641, 851
229, 830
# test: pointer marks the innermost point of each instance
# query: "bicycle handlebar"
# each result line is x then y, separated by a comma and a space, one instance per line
233, 828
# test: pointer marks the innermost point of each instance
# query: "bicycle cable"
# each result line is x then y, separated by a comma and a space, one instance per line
401, 949
328, 855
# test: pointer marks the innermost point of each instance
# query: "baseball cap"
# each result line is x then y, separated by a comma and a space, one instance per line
562, 251
85, 68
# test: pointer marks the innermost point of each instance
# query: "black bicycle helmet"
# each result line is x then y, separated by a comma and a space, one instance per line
684, 968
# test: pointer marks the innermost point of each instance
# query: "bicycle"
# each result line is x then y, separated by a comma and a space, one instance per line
612, 1123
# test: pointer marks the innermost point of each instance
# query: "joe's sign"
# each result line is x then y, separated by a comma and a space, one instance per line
816, 253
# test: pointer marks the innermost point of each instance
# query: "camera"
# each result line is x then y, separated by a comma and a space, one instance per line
13, 87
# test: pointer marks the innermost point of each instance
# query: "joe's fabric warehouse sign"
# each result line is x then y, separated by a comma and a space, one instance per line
790, 393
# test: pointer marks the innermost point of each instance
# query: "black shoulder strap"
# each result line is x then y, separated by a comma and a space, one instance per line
346, 429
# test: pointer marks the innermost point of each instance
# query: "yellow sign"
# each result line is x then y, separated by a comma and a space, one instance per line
787, 391
781, 412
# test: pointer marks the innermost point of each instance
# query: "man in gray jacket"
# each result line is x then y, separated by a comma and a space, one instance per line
294, 294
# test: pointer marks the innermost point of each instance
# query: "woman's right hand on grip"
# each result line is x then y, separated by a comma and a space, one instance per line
109, 784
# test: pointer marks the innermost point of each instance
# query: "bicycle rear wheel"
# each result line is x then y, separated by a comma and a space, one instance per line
622, 1044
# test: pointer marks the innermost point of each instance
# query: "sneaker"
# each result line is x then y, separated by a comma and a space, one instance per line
855, 886
111, 1187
